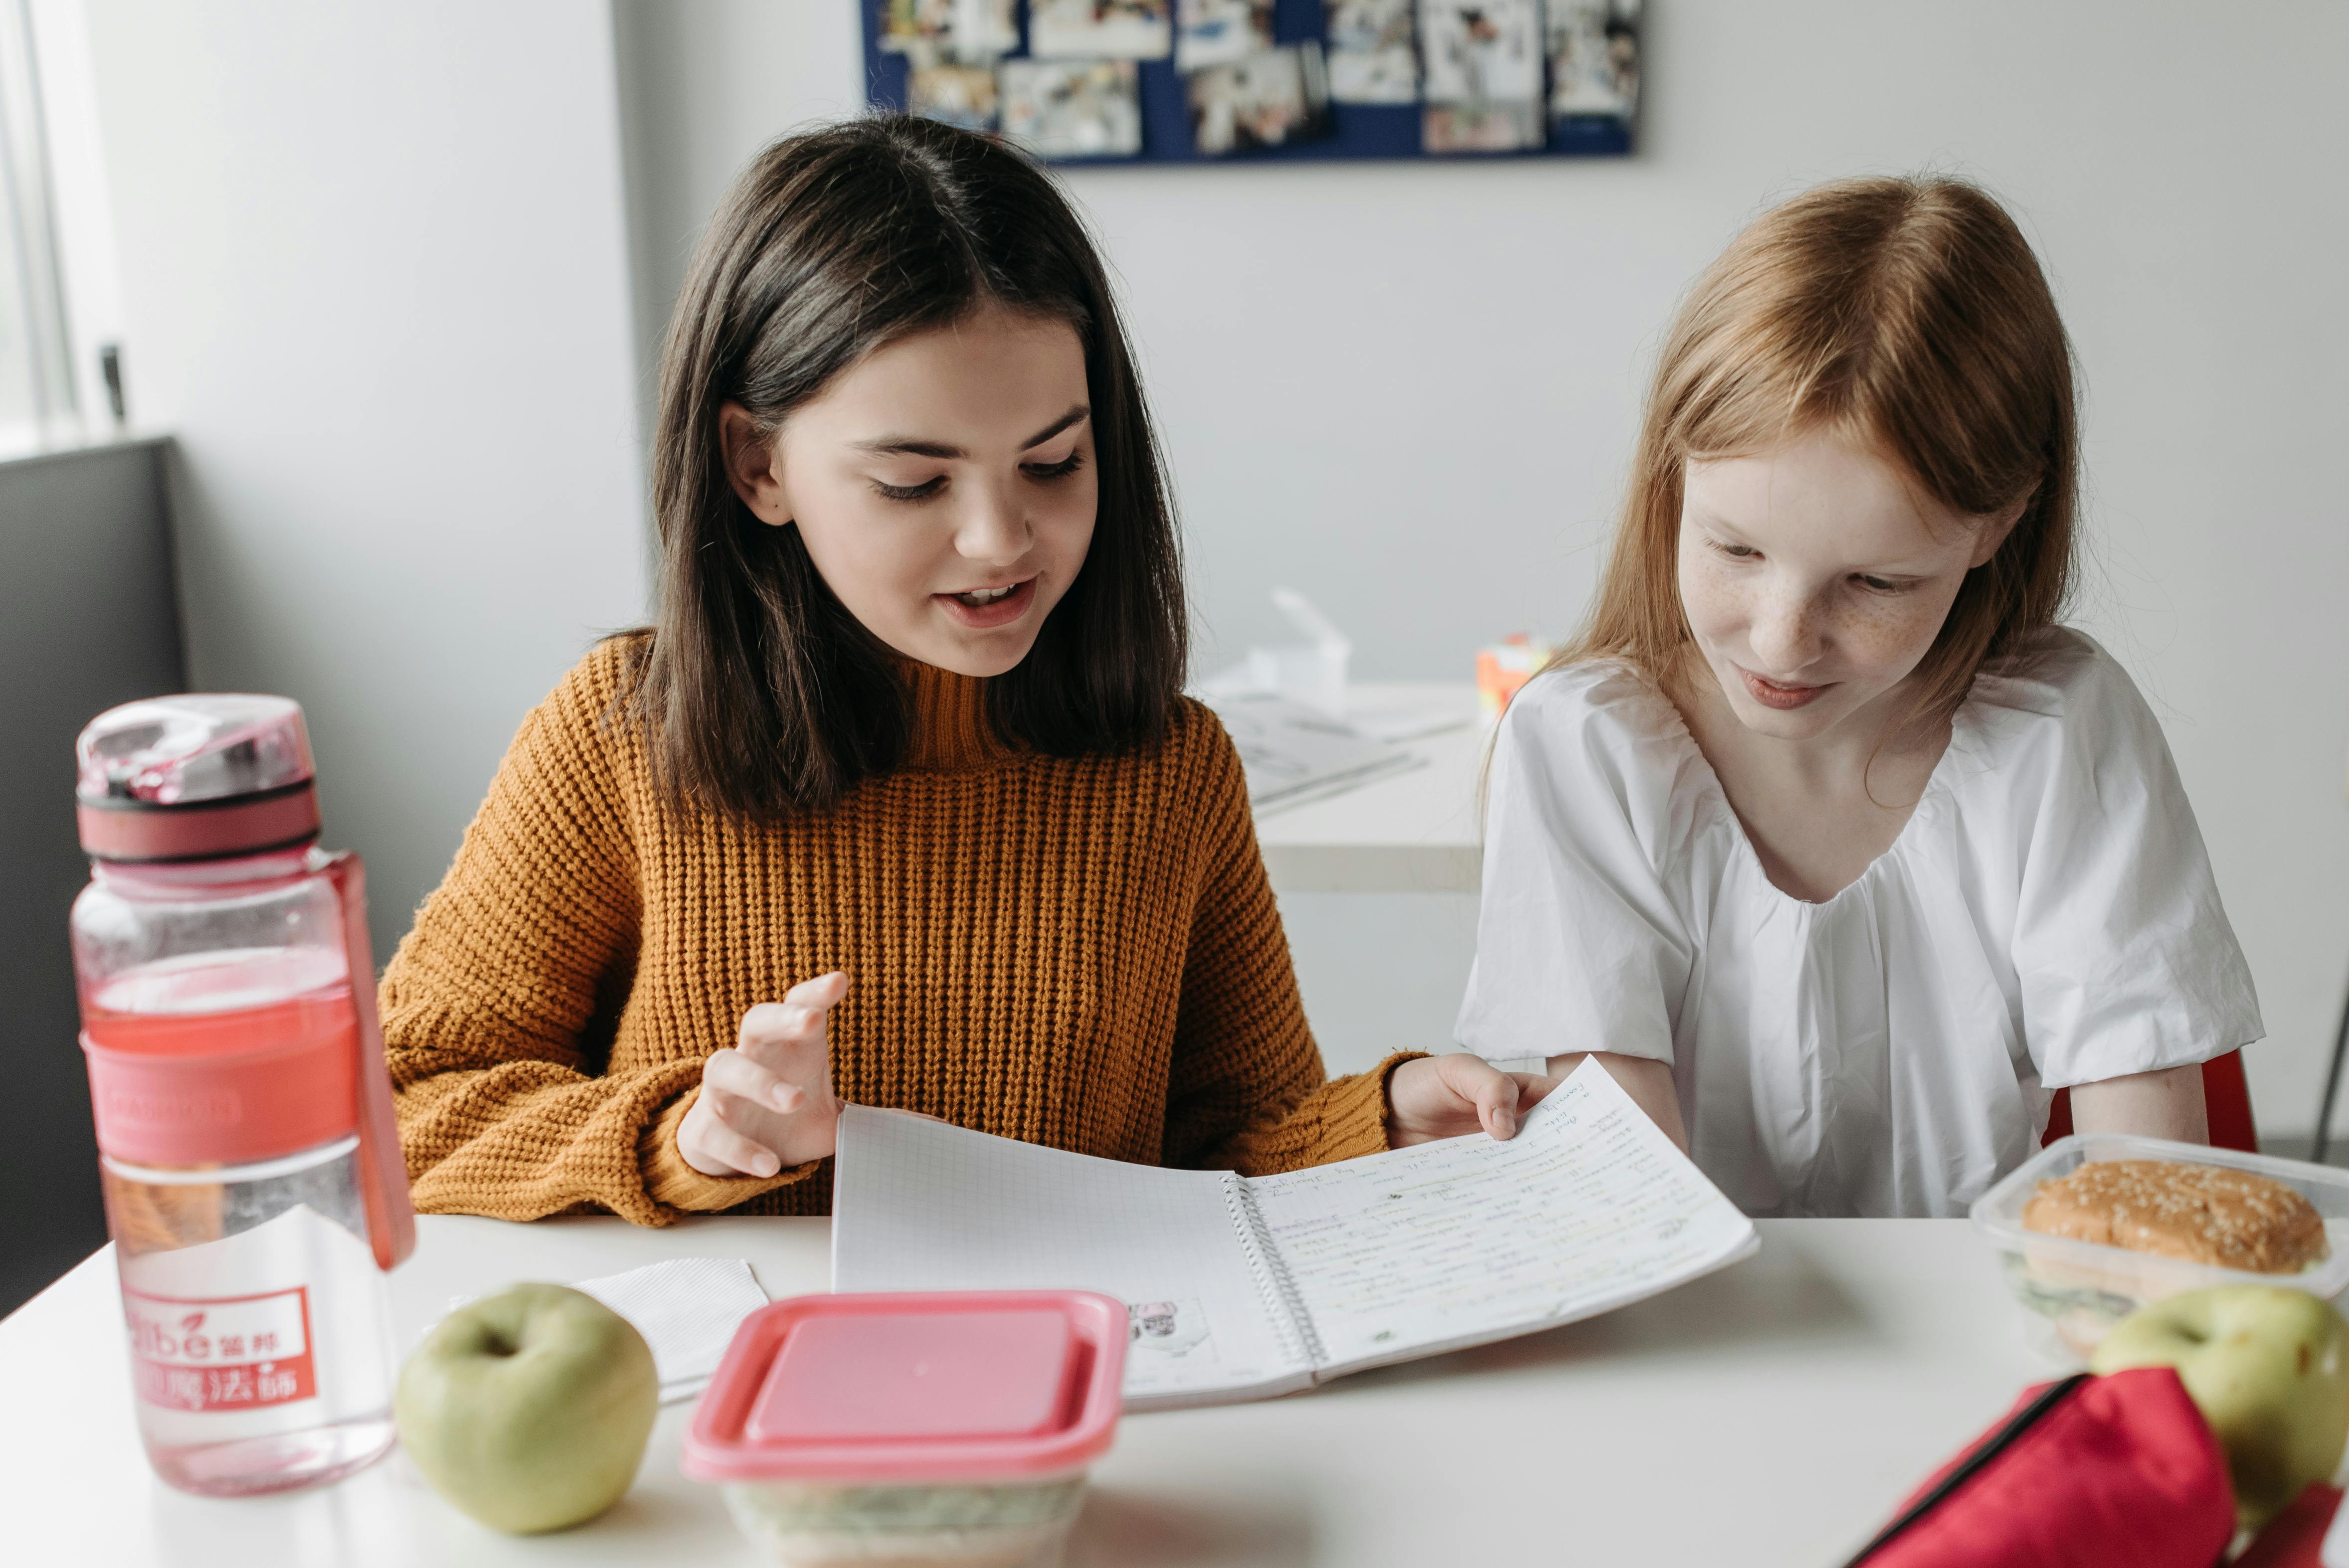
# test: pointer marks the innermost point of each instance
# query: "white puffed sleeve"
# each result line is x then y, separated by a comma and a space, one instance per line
2125, 960
1579, 945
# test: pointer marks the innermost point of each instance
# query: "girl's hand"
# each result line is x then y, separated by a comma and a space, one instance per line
1457, 1093
767, 1102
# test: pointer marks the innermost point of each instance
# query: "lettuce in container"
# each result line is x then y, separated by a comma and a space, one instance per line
911, 1429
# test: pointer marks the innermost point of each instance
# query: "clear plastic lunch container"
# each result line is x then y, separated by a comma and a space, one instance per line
2080, 1289
913, 1430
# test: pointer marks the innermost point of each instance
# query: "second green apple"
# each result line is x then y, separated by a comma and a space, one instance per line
2268, 1367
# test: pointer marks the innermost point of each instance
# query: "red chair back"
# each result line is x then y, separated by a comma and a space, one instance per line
2226, 1099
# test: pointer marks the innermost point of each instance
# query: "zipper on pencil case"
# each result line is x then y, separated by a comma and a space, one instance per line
1997, 1443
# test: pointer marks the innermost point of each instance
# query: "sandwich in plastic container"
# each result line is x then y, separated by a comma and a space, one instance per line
914, 1428
2080, 1289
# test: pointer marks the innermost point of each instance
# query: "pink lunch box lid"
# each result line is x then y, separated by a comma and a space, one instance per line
914, 1386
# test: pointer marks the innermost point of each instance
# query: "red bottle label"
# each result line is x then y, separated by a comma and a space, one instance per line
222, 1353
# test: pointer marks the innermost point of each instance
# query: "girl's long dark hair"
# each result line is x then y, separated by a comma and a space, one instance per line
757, 693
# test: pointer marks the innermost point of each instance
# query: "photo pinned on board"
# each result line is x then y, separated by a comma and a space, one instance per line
1594, 59
1267, 99
1480, 127
1481, 51
1072, 108
969, 32
1099, 29
1373, 56
1216, 32
961, 95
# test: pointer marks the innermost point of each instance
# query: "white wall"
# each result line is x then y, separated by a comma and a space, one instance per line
375, 277
1409, 389
703, 86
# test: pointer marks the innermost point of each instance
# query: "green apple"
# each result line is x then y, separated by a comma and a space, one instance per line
529, 1411
2269, 1368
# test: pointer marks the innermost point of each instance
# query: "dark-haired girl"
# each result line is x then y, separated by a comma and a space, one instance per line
910, 713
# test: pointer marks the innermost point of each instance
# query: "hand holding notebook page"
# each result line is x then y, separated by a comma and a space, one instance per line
1242, 1286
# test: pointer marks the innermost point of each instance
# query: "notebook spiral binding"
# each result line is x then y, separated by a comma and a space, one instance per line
1283, 1304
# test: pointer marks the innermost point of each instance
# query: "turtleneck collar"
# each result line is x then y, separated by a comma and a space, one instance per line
950, 731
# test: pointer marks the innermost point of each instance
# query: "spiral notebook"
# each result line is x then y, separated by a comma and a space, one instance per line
1239, 1287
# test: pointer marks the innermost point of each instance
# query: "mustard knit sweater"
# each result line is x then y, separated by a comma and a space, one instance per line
1078, 952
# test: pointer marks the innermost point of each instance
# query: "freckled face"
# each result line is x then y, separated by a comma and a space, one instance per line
1815, 580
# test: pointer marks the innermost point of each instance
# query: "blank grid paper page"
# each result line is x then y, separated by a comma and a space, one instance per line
1588, 1208
921, 1205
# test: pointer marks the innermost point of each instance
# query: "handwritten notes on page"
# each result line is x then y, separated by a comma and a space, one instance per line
1239, 1287
1589, 1207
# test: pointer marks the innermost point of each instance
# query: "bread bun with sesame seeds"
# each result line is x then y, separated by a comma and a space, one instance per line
2203, 1213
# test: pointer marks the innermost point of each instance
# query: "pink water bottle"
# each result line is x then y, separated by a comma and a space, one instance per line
250, 1163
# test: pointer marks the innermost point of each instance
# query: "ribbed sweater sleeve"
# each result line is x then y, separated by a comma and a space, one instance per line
1248, 1091
497, 1004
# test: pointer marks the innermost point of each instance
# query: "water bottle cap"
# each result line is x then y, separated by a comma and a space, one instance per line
202, 746
195, 777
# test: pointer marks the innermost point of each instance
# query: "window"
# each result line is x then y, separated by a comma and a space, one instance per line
38, 401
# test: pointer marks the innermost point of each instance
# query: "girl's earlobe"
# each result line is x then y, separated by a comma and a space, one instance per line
1995, 528
747, 454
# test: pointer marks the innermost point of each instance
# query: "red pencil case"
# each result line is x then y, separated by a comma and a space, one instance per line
2119, 1471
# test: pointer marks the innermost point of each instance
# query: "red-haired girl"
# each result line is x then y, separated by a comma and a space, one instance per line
1824, 830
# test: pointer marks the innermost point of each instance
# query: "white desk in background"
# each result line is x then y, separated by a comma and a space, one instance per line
1773, 1413
1414, 831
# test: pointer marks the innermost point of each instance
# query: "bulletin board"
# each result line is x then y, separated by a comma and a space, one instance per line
1586, 63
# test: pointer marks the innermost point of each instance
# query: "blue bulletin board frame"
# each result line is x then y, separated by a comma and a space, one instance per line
1358, 131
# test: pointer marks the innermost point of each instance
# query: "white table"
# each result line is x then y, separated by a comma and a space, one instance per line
1415, 831
1772, 1413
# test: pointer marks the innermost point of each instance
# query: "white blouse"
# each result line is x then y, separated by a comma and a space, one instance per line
2046, 917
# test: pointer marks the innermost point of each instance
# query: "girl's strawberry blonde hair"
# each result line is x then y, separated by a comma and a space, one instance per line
1908, 313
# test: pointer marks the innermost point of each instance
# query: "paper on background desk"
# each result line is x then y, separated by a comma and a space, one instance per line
1410, 720
1293, 753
